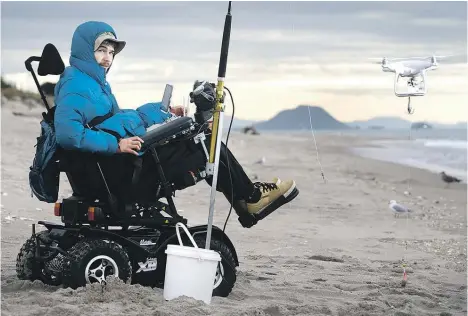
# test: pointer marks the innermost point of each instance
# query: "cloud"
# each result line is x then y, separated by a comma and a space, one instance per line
281, 53
372, 15
356, 91
439, 22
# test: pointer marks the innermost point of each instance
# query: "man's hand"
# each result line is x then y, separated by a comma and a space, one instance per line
130, 145
178, 110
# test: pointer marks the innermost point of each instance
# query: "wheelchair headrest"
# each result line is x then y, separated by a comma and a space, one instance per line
51, 63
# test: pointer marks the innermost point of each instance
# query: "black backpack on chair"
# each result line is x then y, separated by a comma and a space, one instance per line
44, 173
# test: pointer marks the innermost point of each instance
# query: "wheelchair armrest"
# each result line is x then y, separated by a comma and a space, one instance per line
167, 131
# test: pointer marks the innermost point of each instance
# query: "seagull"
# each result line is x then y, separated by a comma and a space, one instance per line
448, 179
398, 208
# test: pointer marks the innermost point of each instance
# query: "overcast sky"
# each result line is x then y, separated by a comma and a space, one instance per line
282, 54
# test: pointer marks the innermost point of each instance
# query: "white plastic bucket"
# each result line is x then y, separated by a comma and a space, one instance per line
190, 271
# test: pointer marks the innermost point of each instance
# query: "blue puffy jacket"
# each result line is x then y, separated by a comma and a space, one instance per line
82, 94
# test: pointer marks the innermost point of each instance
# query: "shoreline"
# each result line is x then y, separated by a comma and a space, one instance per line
376, 152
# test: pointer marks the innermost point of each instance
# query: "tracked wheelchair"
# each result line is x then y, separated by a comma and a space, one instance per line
103, 233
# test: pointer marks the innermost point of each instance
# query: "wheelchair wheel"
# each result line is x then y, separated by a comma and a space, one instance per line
226, 273
93, 260
28, 268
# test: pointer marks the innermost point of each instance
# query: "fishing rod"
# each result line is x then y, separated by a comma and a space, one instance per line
217, 127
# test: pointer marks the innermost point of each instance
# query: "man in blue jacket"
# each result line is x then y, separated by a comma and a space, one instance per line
83, 94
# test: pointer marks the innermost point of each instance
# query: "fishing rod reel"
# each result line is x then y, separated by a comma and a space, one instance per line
204, 97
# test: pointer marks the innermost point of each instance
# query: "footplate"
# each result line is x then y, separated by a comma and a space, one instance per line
248, 220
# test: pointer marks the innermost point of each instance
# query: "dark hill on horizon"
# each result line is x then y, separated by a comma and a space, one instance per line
298, 119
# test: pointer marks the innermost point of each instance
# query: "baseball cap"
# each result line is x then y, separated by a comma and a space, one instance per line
119, 45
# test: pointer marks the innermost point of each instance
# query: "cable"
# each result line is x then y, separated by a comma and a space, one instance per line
404, 261
315, 142
227, 156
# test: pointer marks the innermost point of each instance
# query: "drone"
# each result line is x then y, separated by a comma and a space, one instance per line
414, 70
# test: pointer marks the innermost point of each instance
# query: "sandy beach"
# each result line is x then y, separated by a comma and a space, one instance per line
336, 249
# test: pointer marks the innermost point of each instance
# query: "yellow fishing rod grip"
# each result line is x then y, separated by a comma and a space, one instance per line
218, 108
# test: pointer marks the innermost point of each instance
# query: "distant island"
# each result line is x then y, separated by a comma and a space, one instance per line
298, 119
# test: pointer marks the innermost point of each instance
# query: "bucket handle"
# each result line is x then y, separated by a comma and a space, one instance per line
187, 232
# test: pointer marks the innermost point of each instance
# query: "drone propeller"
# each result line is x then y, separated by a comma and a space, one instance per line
380, 59
444, 56
426, 57
414, 57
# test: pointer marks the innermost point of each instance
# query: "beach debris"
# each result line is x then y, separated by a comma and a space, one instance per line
38, 209
5, 193
260, 161
406, 193
398, 208
250, 130
26, 219
405, 278
325, 258
388, 304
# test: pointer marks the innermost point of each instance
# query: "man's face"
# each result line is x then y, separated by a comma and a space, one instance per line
104, 55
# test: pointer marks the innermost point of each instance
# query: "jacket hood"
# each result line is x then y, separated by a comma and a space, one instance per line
82, 49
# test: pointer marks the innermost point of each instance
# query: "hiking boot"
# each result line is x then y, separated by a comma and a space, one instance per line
271, 192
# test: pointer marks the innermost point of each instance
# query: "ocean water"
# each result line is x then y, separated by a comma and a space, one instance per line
435, 150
